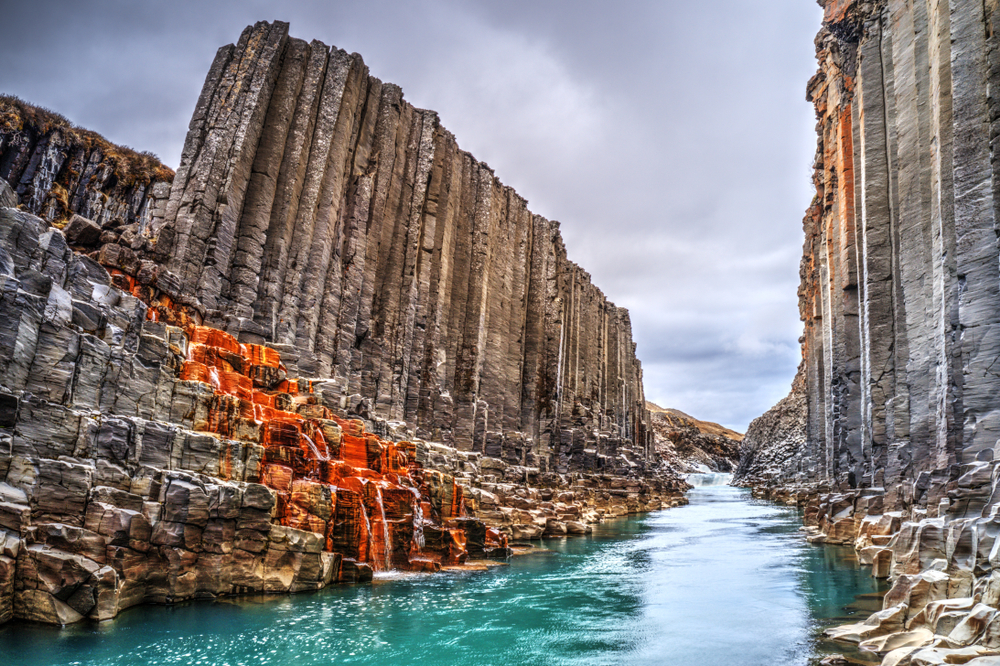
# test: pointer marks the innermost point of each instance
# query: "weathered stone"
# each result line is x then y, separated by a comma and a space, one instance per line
81, 231
40, 606
883, 622
159, 440
7, 197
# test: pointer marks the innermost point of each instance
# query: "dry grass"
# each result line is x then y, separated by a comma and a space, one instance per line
706, 427
130, 166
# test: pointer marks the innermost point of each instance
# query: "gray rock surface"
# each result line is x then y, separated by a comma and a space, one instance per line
56, 170
900, 290
770, 452
317, 210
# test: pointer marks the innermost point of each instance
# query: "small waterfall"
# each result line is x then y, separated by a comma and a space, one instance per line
418, 521
385, 528
315, 449
371, 536
709, 479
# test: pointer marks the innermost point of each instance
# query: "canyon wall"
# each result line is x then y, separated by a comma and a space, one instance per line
332, 344
316, 210
900, 290
692, 446
889, 438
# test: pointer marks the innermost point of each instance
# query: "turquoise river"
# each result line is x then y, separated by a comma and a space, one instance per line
727, 580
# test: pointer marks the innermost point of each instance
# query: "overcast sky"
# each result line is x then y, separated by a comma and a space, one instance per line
670, 138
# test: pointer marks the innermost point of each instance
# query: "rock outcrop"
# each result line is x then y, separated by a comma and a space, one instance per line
770, 452
337, 344
691, 446
895, 450
58, 170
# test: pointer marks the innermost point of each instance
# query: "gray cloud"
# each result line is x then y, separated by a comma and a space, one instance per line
670, 138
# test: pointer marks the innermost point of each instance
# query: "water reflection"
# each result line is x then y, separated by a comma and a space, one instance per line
725, 580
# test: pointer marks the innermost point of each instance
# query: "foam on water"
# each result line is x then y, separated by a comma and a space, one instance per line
709, 479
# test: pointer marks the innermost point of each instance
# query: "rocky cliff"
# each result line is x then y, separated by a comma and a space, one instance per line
770, 454
335, 345
58, 170
692, 446
895, 447
317, 210
900, 270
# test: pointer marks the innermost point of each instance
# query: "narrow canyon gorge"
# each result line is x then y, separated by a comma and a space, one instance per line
333, 344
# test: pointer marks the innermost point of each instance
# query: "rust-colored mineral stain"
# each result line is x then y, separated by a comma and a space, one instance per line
369, 498
835, 11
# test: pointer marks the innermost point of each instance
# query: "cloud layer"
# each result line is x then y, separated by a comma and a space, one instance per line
670, 138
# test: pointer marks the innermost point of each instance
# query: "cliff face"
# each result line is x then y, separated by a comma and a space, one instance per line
900, 271
58, 170
229, 387
890, 442
771, 451
317, 210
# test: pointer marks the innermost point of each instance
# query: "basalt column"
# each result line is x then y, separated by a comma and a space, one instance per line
318, 212
900, 286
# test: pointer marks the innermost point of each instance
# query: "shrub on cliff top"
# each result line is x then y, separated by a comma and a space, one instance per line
130, 166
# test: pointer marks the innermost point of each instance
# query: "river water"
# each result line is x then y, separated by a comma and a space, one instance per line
727, 580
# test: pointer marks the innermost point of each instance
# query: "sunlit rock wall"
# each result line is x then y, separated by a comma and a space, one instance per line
317, 210
900, 290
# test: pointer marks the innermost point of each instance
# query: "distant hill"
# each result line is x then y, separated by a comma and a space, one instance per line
692, 445
706, 427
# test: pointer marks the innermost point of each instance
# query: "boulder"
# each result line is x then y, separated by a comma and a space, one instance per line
886, 621
82, 232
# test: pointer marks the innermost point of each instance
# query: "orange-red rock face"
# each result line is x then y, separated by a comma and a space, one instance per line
367, 496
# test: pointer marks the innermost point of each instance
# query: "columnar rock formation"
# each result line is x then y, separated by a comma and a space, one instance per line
900, 289
145, 462
317, 210
228, 386
900, 296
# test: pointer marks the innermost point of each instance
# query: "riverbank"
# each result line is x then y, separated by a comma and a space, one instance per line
942, 606
148, 458
662, 587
